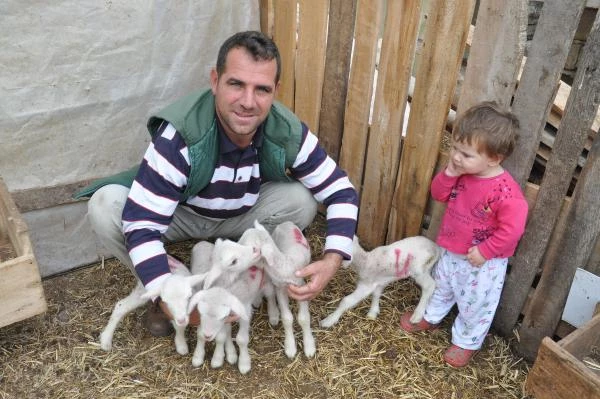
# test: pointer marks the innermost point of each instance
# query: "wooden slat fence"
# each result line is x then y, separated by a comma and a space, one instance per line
351, 66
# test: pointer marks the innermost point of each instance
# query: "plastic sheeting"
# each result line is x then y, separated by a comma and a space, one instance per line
79, 79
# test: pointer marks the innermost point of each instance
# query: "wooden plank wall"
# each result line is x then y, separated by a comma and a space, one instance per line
375, 53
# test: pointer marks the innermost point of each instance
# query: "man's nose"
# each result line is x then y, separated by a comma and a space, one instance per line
247, 99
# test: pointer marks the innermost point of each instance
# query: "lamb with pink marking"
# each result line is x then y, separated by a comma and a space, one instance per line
410, 257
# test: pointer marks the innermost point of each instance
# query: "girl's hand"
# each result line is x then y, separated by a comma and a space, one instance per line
474, 257
451, 169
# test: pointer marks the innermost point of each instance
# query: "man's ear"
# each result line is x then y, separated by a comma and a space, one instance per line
214, 79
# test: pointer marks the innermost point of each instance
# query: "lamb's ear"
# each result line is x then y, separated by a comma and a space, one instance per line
211, 276
267, 252
149, 294
238, 308
194, 300
196, 278
259, 226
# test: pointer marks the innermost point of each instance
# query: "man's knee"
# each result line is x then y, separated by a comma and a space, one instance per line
296, 204
105, 208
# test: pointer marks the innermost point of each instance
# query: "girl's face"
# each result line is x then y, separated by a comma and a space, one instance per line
467, 159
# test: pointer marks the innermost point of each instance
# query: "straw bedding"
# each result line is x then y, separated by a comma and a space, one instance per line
57, 355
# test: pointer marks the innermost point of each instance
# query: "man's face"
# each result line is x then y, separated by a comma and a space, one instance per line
244, 94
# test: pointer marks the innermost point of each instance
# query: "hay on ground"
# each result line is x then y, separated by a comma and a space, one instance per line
57, 355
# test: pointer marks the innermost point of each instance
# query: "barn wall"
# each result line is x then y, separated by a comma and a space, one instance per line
79, 80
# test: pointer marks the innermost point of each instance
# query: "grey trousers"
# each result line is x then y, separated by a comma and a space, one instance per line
277, 202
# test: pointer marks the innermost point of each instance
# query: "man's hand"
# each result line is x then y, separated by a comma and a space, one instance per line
474, 257
318, 274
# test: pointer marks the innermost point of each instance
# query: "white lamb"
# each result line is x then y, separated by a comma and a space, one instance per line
216, 305
227, 268
285, 252
233, 285
175, 292
410, 257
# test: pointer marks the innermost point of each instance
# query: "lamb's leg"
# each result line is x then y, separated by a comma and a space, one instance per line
230, 351
181, 345
243, 338
219, 354
427, 284
272, 309
287, 319
374, 310
307, 336
199, 352
348, 302
121, 309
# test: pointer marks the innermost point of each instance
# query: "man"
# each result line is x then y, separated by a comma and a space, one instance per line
220, 159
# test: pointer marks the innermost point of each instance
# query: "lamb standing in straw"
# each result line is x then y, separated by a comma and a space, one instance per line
411, 257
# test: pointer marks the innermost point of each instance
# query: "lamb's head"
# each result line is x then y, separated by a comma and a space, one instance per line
230, 258
215, 305
259, 237
255, 236
176, 291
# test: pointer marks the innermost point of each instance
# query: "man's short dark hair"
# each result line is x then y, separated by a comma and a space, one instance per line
260, 46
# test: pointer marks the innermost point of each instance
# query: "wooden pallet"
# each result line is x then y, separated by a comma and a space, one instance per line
21, 291
559, 370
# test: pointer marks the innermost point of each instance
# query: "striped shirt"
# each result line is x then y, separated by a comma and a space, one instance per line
233, 190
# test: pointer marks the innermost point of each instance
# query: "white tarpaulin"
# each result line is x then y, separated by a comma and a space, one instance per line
79, 79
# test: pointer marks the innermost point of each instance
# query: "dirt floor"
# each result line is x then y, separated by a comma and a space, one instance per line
57, 355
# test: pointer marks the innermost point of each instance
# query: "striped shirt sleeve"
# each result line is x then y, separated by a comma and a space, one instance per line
154, 195
329, 185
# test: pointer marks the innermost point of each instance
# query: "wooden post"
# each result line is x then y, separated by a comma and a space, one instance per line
435, 82
495, 54
335, 82
567, 148
583, 228
493, 67
397, 51
284, 34
546, 58
310, 60
360, 89
267, 16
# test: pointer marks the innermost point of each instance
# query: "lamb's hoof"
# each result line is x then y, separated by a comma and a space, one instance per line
291, 352
197, 361
372, 315
183, 351
327, 322
310, 351
105, 344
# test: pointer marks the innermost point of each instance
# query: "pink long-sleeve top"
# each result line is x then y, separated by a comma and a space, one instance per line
489, 213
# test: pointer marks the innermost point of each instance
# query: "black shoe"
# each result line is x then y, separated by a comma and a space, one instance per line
156, 321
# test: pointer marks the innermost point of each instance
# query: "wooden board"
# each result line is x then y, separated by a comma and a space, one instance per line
360, 90
397, 52
435, 82
21, 292
534, 96
533, 100
496, 53
335, 81
558, 371
284, 35
310, 60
